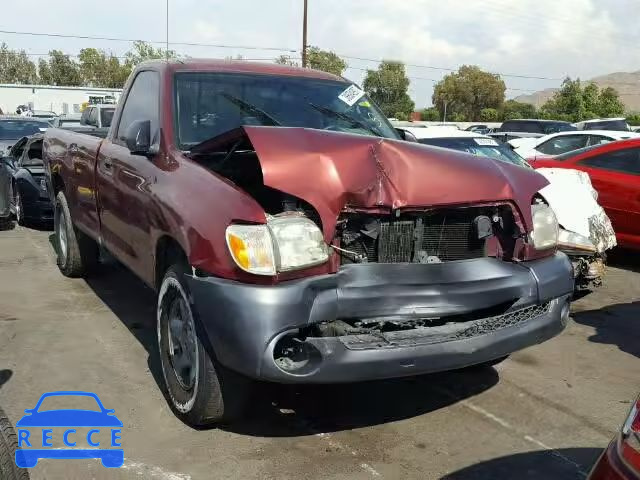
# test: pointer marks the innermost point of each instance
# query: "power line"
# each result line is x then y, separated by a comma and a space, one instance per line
118, 39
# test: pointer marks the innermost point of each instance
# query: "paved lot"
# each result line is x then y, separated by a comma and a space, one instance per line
545, 413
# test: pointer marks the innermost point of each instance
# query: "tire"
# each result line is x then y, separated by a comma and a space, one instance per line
17, 200
7, 224
77, 253
205, 392
8, 445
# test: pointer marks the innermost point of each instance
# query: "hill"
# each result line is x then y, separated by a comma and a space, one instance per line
626, 83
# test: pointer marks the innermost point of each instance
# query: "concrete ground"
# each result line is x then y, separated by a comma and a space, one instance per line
545, 413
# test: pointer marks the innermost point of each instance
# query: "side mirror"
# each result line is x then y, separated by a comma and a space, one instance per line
138, 137
406, 136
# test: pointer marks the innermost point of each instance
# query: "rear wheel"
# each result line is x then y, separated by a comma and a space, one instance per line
77, 253
199, 389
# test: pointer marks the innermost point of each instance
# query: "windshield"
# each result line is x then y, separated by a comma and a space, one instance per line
106, 115
209, 104
14, 129
484, 147
617, 125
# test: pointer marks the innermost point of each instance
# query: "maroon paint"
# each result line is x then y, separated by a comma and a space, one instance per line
137, 201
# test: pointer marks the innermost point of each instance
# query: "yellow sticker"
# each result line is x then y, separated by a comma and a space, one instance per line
365, 104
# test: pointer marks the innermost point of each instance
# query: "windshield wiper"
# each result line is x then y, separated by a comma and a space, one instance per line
346, 118
250, 108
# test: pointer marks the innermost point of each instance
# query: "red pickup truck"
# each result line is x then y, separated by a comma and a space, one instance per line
293, 236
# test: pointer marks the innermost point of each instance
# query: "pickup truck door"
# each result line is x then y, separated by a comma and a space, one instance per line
616, 176
124, 181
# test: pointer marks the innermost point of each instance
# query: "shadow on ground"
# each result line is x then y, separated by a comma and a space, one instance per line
279, 410
617, 324
560, 464
625, 259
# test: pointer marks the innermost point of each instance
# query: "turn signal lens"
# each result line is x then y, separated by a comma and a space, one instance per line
251, 248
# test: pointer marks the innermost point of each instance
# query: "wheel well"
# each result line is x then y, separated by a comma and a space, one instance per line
57, 184
168, 252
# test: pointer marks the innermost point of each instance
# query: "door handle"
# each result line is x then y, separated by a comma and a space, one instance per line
108, 164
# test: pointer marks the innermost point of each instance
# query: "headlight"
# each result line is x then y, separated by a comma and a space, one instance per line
545, 227
575, 241
285, 243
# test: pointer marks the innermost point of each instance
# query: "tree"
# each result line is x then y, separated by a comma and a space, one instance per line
609, 104
325, 60
387, 86
100, 69
61, 70
430, 114
286, 60
142, 51
513, 109
468, 91
15, 67
489, 115
44, 72
633, 119
575, 103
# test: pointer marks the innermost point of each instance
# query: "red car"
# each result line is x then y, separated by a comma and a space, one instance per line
621, 460
614, 169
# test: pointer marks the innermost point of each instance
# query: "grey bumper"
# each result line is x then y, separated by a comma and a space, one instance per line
244, 322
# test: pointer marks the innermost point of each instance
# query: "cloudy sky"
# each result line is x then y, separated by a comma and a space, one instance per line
523, 38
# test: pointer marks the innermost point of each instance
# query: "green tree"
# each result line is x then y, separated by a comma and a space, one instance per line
590, 98
15, 67
633, 119
286, 60
142, 51
325, 60
609, 103
63, 70
430, 114
388, 86
489, 115
468, 91
100, 69
513, 109
44, 72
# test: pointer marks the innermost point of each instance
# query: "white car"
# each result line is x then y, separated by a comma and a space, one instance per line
563, 142
586, 231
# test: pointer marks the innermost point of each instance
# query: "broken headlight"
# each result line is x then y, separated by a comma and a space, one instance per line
545, 227
575, 241
286, 243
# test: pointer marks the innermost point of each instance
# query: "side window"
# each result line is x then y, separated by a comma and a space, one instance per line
625, 161
93, 117
562, 144
141, 103
18, 148
598, 139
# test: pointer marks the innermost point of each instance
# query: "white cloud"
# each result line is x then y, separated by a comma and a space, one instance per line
546, 38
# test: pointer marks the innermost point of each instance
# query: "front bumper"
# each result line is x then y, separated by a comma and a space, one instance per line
244, 323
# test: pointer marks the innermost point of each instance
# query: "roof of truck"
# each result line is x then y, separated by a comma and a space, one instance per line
238, 66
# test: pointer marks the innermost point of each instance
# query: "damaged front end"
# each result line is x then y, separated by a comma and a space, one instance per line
388, 258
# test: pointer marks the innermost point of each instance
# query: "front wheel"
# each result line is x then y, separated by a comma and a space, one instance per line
199, 389
8, 446
19, 208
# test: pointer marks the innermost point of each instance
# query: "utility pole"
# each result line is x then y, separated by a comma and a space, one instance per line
444, 118
304, 36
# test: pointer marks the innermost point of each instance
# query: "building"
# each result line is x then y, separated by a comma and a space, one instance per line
53, 98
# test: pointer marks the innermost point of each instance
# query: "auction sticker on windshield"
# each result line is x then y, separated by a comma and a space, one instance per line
351, 95
486, 141
69, 433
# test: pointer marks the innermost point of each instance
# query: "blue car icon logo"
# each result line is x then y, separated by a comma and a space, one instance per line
35, 432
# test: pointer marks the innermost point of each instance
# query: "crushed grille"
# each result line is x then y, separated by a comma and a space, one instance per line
445, 333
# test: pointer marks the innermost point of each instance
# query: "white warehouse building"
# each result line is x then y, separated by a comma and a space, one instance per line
53, 98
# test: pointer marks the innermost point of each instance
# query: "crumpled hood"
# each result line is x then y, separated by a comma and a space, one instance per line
332, 170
